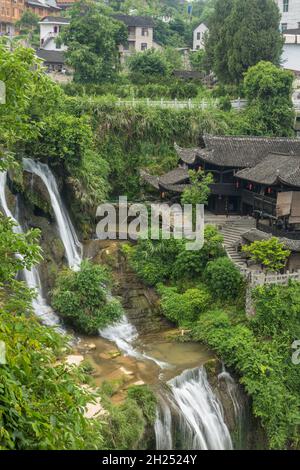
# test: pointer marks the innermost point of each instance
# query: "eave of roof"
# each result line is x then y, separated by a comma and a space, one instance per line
274, 169
258, 235
130, 20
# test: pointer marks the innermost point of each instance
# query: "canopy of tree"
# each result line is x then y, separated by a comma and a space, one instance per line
242, 33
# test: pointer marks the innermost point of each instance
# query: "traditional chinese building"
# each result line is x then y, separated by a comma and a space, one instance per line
252, 176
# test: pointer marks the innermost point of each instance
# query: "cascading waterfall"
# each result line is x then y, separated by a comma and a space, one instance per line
73, 247
234, 394
31, 277
124, 334
196, 415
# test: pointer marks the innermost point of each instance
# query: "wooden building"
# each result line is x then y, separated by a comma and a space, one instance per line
252, 176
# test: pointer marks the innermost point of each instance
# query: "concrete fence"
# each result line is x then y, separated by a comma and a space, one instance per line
178, 104
258, 278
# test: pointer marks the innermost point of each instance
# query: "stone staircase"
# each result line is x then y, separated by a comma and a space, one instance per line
232, 231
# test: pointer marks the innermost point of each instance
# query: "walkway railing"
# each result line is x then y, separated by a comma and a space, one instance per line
178, 104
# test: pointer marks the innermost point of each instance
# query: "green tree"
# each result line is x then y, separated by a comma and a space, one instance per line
150, 63
268, 90
82, 298
186, 307
223, 278
93, 38
270, 253
29, 21
29, 94
198, 191
197, 60
242, 33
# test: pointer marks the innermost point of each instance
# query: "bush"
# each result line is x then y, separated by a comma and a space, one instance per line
270, 253
183, 308
146, 400
183, 90
148, 63
82, 298
225, 103
223, 278
63, 140
153, 259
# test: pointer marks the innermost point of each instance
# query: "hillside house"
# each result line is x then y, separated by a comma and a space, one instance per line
50, 28
140, 34
198, 36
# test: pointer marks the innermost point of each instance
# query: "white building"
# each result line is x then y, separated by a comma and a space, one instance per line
140, 34
198, 36
290, 13
50, 28
290, 27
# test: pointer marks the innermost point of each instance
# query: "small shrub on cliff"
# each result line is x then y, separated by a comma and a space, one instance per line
223, 278
82, 299
183, 308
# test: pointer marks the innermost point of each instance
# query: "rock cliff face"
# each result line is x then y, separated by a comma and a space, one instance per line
32, 206
140, 302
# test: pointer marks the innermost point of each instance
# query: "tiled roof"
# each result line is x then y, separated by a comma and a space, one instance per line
172, 181
243, 152
141, 21
187, 155
274, 168
47, 4
258, 235
54, 57
55, 19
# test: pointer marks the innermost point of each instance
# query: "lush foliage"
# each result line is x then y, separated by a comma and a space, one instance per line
127, 136
150, 62
159, 260
184, 308
93, 38
234, 25
223, 278
146, 400
82, 298
41, 401
198, 190
261, 350
29, 93
270, 253
268, 90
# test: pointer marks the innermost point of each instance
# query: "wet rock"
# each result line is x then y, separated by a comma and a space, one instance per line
74, 359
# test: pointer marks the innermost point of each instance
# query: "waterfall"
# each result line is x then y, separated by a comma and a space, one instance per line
73, 248
163, 426
234, 394
124, 334
196, 415
31, 277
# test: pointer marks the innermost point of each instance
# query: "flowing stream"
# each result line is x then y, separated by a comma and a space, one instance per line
190, 416
73, 248
124, 335
31, 277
